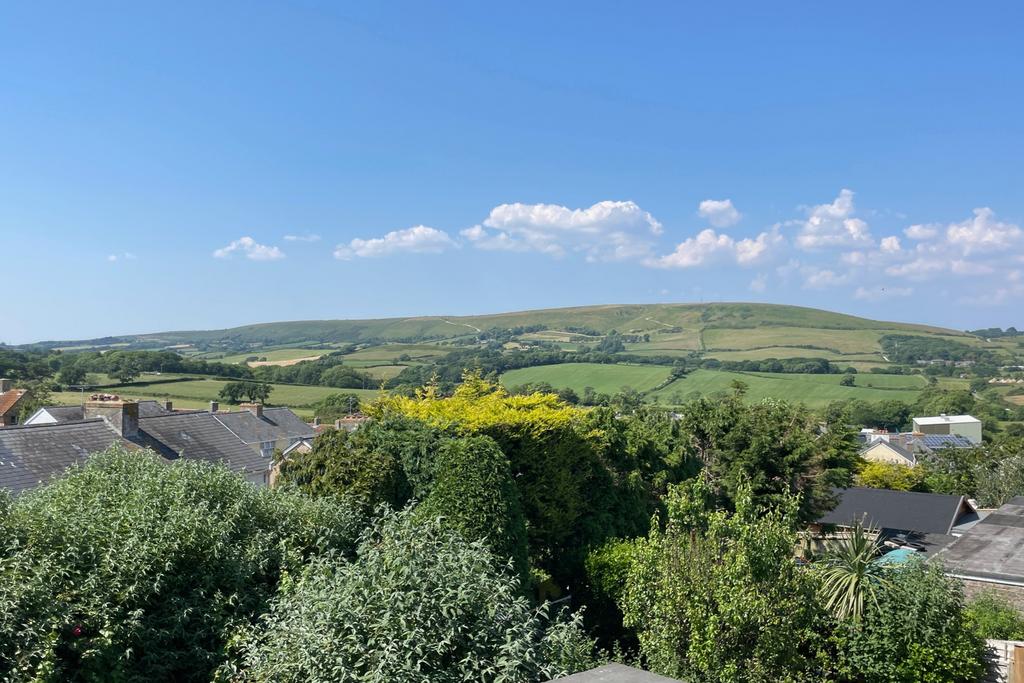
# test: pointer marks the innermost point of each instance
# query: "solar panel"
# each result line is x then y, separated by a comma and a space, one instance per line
945, 441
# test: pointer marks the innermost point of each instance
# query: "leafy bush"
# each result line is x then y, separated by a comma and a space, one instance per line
717, 596
474, 492
419, 605
991, 616
916, 631
131, 569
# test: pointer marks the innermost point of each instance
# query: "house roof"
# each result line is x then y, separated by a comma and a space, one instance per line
147, 408
945, 419
9, 399
926, 513
301, 443
198, 436
32, 455
899, 450
276, 423
616, 673
937, 441
991, 550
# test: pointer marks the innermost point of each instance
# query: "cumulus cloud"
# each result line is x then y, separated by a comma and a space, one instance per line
890, 245
984, 233
251, 249
977, 246
308, 237
878, 293
759, 283
419, 239
820, 278
921, 232
709, 245
719, 212
126, 256
606, 231
833, 225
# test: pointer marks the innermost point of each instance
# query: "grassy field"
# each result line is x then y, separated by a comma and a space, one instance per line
607, 379
197, 393
392, 352
840, 341
275, 355
813, 390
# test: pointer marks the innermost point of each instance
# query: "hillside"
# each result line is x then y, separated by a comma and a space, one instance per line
652, 318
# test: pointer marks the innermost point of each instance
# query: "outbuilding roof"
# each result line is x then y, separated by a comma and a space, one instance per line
991, 550
908, 511
945, 419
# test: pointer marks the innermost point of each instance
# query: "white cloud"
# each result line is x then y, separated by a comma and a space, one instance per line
252, 250
820, 278
419, 239
890, 245
126, 256
709, 245
878, 293
759, 283
983, 233
606, 231
308, 237
854, 258
833, 225
112, 258
921, 231
719, 212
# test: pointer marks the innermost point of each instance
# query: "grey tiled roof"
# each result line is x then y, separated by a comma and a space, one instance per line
30, 456
276, 423
616, 673
66, 413
198, 436
993, 549
908, 455
926, 513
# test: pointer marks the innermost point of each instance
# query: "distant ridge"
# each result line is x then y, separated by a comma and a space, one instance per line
601, 318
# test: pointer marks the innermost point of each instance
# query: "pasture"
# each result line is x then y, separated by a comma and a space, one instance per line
814, 390
839, 341
606, 379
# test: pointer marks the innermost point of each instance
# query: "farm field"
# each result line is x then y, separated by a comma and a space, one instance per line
840, 341
667, 344
814, 390
391, 352
606, 379
197, 393
275, 356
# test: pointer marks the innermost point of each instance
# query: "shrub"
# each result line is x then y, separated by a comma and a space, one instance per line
418, 605
132, 569
916, 631
992, 617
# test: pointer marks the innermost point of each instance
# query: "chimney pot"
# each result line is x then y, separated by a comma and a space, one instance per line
214, 406
123, 416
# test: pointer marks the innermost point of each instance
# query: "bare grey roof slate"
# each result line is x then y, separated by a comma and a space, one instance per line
991, 550
198, 436
32, 455
926, 513
276, 423
66, 413
616, 673
909, 455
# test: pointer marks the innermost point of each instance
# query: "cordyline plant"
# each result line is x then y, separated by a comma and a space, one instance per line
849, 574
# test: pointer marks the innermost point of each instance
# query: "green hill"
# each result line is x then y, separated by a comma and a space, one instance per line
679, 326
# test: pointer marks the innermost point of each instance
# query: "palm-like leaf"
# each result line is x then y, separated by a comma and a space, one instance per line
849, 574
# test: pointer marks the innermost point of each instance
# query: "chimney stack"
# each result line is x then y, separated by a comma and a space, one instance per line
5, 385
214, 406
123, 416
316, 421
169, 406
254, 408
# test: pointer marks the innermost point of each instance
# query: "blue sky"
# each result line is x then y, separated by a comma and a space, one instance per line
205, 165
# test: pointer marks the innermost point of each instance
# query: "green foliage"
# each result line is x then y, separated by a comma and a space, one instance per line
474, 492
420, 605
848, 381
716, 596
917, 631
132, 569
889, 475
990, 616
340, 466
849, 575
335, 406
774, 447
